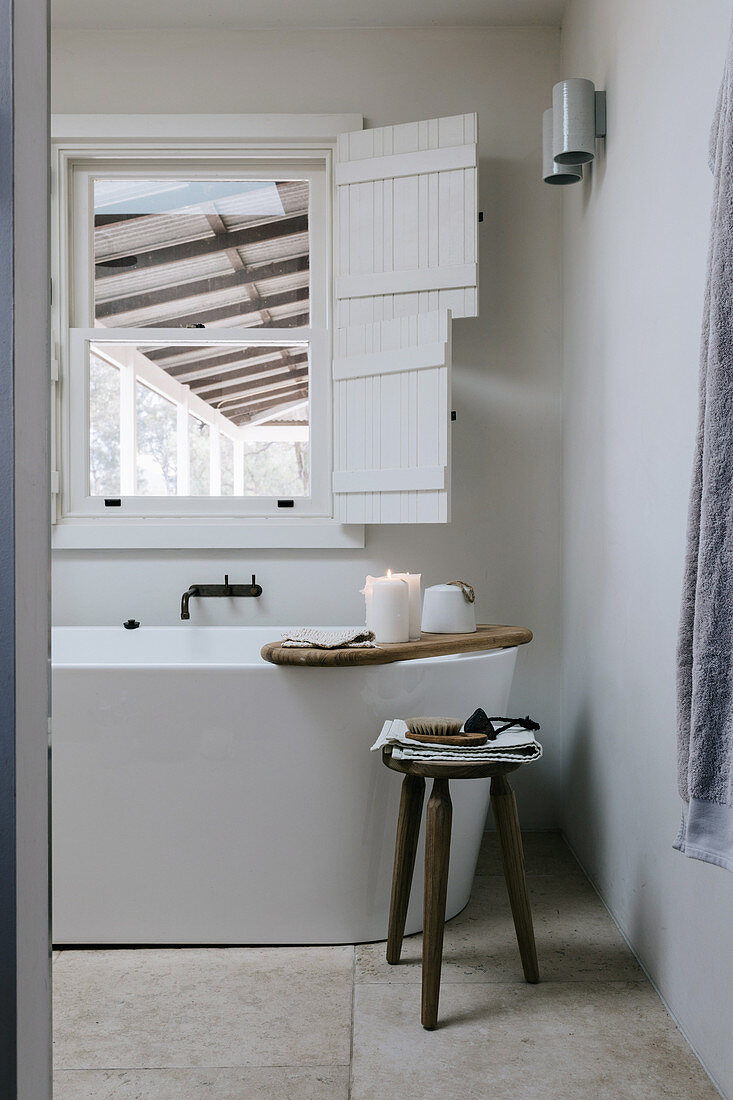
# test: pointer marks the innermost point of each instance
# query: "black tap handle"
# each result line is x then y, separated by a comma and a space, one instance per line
253, 580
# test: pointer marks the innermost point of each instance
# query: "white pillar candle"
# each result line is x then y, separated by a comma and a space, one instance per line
367, 594
415, 586
388, 611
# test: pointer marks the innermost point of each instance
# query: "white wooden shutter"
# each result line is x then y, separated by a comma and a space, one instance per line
407, 220
391, 384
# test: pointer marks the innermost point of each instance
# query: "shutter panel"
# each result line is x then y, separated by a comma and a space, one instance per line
407, 220
391, 383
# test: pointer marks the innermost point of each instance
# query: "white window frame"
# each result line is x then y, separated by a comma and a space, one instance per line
83, 521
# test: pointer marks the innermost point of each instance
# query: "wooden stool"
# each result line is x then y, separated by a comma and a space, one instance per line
437, 856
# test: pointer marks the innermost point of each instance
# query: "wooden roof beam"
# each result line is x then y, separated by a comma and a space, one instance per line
220, 397
270, 366
261, 416
234, 312
220, 230
295, 320
256, 403
173, 292
174, 357
209, 375
273, 229
264, 415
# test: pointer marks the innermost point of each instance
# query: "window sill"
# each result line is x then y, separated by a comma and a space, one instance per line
109, 534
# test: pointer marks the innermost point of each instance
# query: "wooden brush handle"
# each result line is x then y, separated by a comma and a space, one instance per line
464, 740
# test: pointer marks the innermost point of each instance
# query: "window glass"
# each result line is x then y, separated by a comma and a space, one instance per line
199, 457
249, 401
273, 468
156, 439
226, 458
104, 428
213, 253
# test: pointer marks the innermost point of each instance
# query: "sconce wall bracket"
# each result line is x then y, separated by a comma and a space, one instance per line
600, 114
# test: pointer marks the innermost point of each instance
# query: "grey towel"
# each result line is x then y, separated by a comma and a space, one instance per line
705, 652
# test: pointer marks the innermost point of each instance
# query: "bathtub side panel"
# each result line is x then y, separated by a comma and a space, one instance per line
242, 805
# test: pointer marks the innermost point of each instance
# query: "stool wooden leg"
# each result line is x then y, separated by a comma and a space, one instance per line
437, 859
408, 831
504, 805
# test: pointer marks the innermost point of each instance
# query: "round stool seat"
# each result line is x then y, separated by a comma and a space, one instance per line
433, 769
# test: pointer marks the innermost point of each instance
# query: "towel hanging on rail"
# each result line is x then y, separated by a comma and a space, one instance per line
705, 650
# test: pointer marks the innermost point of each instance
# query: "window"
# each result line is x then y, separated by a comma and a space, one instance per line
197, 336
199, 378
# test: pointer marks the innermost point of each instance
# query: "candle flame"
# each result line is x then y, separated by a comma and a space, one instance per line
389, 574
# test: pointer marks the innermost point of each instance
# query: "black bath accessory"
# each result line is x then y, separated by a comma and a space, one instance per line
479, 722
131, 624
224, 590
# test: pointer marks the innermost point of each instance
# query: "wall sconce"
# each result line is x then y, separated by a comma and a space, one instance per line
577, 119
552, 172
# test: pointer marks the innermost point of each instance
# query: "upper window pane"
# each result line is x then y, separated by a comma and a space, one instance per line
217, 253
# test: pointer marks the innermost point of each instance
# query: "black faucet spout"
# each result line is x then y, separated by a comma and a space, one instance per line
192, 591
226, 589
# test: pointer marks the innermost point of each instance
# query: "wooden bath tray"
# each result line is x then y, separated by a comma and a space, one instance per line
429, 645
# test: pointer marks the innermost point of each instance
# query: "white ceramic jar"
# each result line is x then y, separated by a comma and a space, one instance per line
447, 611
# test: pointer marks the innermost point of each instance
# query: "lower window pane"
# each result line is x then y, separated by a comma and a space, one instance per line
104, 428
276, 468
226, 451
156, 443
199, 420
199, 457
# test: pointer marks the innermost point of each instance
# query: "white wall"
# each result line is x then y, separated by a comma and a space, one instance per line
506, 533
635, 251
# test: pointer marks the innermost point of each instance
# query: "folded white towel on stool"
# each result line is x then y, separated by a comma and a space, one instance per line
350, 637
514, 745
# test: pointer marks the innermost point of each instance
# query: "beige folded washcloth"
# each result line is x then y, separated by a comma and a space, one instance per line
350, 637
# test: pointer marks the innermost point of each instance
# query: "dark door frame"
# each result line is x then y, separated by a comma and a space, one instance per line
25, 975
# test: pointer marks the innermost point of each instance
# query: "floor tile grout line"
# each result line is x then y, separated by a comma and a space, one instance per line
351, 1036
532, 875
522, 984
196, 1069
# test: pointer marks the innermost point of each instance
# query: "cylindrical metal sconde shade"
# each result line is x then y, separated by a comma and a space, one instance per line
551, 171
574, 121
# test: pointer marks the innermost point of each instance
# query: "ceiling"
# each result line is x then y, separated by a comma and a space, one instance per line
302, 14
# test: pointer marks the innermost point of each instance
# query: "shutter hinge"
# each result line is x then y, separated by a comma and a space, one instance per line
55, 482
54, 369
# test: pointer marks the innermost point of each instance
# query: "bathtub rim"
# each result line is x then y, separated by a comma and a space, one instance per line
157, 665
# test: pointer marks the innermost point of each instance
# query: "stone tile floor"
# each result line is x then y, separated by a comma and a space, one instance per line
329, 1023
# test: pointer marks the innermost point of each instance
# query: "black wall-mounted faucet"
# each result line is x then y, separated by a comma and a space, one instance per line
226, 589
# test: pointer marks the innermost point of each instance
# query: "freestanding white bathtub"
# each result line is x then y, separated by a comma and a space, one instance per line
203, 796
